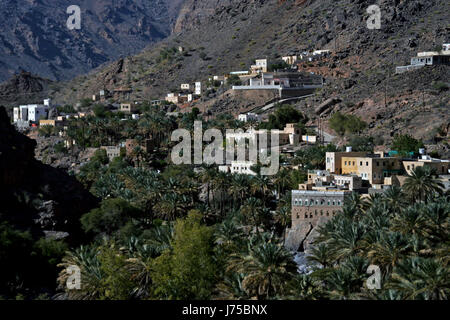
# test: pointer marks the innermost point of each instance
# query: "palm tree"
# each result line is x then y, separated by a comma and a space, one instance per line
251, 210
390, 250
436, 216
395, 198
139, 266
322, 254
346, 239
267, 268
421, 184
92, 276
228, 233
261, 185
356, 202
239, 188
207, 177
171, 206
232, 288
410, 221
420, 278
283, 217
282, 181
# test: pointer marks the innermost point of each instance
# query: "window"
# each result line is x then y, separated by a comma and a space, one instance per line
334, 202
306, 216
300, 202
306, 202
328, 202
339, 202
378, 164
360, 163
353, 162
345, 162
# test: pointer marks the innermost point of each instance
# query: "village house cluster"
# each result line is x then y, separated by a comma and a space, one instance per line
324, 194
289, 138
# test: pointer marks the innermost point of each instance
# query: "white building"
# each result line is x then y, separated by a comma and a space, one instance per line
239, 167
291, 60
249, 117
259, 66
31, 112
198, 88
185, 86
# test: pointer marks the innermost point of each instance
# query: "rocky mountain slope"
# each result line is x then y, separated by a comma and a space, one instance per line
34, 34
223, 36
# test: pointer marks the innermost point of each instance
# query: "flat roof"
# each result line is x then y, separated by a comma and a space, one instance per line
324, 193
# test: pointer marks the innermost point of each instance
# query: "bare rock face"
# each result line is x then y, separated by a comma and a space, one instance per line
302, 237
23, 87
35, 196
34, 34
296, 236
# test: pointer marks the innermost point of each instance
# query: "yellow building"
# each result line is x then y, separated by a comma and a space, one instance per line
333, 160
47, 123
371, 168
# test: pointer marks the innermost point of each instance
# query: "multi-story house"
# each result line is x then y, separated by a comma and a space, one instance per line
309, 206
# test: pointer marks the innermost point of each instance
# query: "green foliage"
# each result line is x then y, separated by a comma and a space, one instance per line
90, 171
85, 103
361, 143
46, 131
110, 217
28, 265
69, 109
313, 157
284, 114
234, 80
278, 65
346, 124
440, 86
99, 111
405, 144
60, 148
188, 270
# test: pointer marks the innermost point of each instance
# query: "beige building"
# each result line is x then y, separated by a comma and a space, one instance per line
371, 168
442, 167
310, 206
259, 66
112, 152
128, 107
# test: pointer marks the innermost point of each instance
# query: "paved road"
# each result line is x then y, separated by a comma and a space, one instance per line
271, 105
